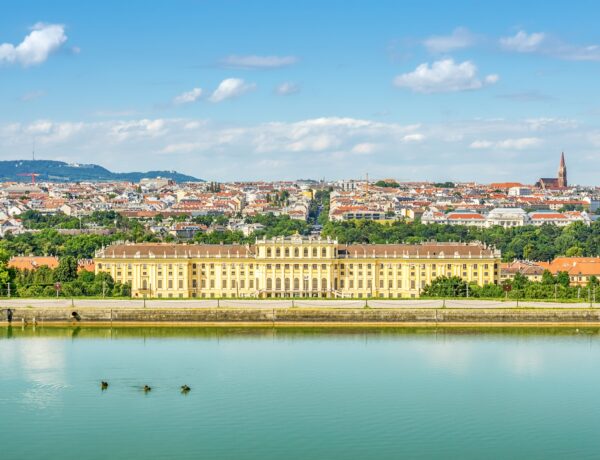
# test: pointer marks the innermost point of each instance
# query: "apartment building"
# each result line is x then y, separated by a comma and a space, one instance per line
293, 266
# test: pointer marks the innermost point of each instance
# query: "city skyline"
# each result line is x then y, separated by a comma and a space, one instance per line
460, 97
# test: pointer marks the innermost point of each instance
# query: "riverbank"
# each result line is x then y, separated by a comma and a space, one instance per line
298, 317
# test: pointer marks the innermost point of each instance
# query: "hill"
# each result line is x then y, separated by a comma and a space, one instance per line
59, 171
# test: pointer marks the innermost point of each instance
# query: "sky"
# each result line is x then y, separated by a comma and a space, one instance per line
268, 90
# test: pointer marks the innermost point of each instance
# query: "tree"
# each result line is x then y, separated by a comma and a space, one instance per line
574, 251
446, 286
519, 281
548, 278
66, 270
563, 279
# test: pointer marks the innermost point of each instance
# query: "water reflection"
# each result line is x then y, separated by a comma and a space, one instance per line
299, 393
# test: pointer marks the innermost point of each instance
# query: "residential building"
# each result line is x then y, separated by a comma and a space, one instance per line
531, 270
580, 269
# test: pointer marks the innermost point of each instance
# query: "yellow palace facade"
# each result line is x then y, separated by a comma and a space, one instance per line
293, 267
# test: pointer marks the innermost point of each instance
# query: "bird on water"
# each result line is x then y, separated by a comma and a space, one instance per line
147, 388
104, 385
185, 389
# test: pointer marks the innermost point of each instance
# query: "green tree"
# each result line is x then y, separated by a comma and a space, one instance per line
66, 270
548, 278
446, 286
563, 279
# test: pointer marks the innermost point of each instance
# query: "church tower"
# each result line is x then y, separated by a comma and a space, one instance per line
562, 172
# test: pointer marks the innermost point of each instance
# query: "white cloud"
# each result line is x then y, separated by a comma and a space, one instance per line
520, 143
187, 97
444, 76
523, 42
415, 137
42, 41
258, 62
481, 144
458, 39
286, 88
318, 147
508, 144
364, 148
231, 87
545, 44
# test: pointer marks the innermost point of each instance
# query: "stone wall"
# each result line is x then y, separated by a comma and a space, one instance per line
300, 315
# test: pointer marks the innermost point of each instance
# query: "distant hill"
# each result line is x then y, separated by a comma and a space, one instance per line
58, 171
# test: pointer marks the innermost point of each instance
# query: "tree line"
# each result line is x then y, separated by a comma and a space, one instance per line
520, 287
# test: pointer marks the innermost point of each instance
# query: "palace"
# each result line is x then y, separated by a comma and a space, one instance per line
293, 267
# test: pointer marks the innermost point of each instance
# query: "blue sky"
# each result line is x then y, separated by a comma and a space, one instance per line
279, 90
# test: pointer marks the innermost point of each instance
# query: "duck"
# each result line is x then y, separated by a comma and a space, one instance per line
104, 385
147, 388
185, 389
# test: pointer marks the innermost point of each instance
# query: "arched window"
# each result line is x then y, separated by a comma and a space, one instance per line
324, 284
305, 252
287, 252
278, 284
324, 252
269, 284
268, 252
314, 252
277, 252
287, 284
315, 284
296, 284
296, 252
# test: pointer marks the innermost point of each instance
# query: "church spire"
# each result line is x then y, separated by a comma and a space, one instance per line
562, 172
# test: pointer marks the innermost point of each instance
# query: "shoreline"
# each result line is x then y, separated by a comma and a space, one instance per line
304, 317
294, 325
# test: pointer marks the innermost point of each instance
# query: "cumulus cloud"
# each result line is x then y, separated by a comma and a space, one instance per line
231, 87
187, 97
458, 39
36, 47
287, 88
508, 144
545, 44
258, 62
444, 76
523, 42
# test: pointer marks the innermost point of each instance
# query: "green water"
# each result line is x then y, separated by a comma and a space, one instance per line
299, 394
